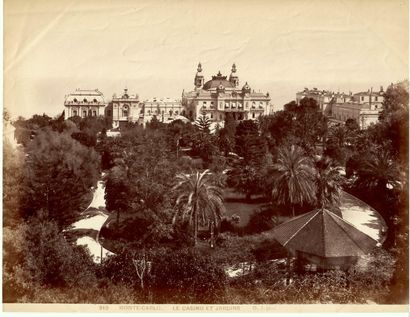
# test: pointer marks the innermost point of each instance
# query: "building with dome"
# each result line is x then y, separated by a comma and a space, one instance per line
84, 103
222, 95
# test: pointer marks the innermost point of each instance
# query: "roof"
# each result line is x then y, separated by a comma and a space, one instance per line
162, 100
218, 80
323, 233
85, 95
367, 93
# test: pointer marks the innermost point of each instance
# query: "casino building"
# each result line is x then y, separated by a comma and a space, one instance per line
221, 95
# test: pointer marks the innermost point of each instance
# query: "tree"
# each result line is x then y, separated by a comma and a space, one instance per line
328, 183
310, 125
186, 276
226, 135
37, 256
13, 180
278, 128
59, 173
203, 123
199, 200
294, 182
378, 172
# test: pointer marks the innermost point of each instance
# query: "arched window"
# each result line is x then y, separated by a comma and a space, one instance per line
94, 113
84, 113
125, 111
74, 113
170, 113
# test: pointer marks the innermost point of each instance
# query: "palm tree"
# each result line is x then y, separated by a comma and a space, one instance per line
328, 183
203, 123
379, 172
294, 183
200, 200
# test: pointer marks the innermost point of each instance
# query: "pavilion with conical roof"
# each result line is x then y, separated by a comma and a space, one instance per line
324, 238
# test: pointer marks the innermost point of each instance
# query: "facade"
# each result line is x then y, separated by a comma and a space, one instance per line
125, 108
84, 103
363, 107
164, 109
221, 95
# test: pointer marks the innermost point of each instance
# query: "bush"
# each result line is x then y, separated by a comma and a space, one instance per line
36, 255
185, 276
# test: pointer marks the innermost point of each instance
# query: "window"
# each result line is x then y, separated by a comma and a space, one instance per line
220, 117
75, 100
125, 112
375, 98
85, 99
95, 100
84, 113
149, 112
170, 112
253, 114
94, 113
362, 98
212, 115
176, 112
74, 113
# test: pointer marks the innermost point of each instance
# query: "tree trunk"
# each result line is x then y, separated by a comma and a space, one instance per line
195, 224
211, 242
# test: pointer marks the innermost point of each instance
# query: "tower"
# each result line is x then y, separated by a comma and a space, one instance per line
199, 78
233, 78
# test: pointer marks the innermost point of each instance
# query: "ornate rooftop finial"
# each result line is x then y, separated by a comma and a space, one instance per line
199, 69
233, 68
219, 73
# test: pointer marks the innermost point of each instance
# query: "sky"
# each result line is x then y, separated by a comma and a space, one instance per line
52, 47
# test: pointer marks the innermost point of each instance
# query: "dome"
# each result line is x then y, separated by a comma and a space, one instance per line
215, 83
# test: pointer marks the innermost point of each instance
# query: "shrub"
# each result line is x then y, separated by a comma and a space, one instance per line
185, 276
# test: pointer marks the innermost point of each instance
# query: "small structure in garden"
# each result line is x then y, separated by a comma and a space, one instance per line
323, 238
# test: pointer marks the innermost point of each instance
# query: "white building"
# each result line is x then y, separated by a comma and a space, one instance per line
125, 108
220, 95
164, 109
84, 103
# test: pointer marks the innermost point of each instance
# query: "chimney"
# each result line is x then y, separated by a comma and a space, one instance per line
381, 88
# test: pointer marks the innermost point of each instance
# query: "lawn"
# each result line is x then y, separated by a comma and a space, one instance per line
236, 204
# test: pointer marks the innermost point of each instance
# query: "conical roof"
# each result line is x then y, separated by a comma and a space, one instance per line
323, 233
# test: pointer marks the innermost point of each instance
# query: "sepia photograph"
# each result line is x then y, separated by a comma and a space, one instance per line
205, 156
